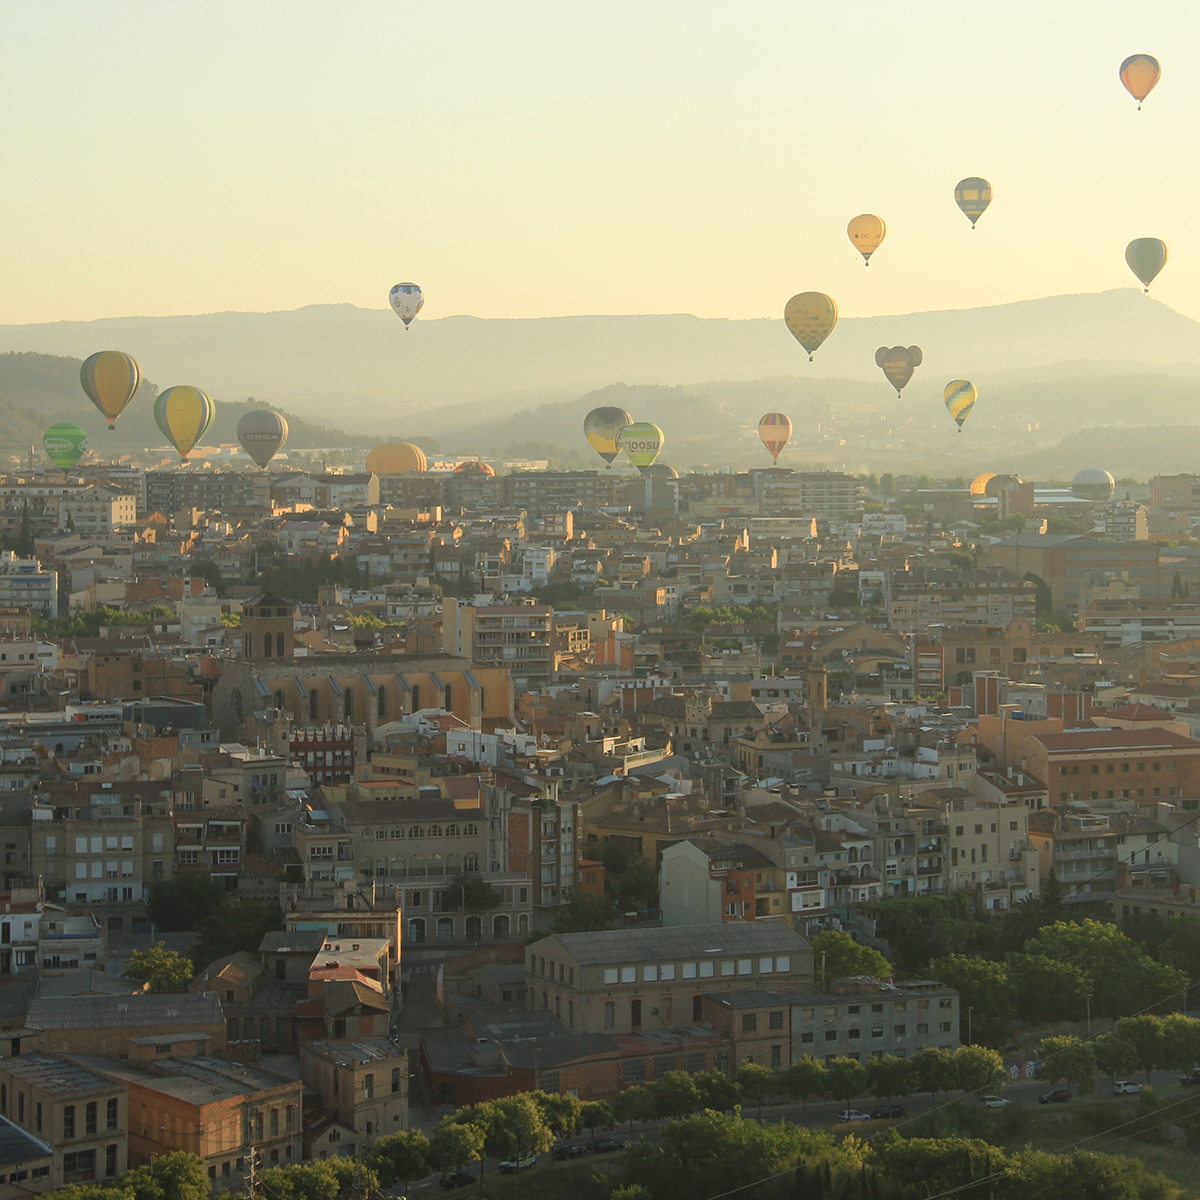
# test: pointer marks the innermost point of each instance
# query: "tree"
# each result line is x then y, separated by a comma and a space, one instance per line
1144, 1036
985, 988
453, 1144
804, 1079
635, 1103
933, 1070
473, 894
25, 545
1115, 1056
1045, 990
718, 1091
235, 925
597, 1114
178, 905
889, 1076
401, 1156
887, 484
1181, 1042
847, 1079
844, 956
756, 1081
513, 1126
1069, 1060
162, 969
584, 913
676, 1095
560, 1111
979, 1070
935, 1166
637, 885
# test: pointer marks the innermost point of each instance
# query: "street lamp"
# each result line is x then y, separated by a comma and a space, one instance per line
1089, 1017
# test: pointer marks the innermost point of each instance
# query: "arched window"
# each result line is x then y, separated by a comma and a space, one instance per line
235, 699
381, 702
500, 926
366, 835
314, 705
452, 831
435, 831
445, 929
474, 928
470, 831
453, 864
416, 865
399, 870
267, 642
471, 862
279, 645
448, 699
416, 832
348, 704
436, 865
522, 924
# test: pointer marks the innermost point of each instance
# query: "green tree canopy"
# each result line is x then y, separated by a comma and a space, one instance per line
1046, 990
1068, 1060
984, 986
454, 1144
400, 1157
235, 925
584, 913
846, 1078
804, 1079
162, 969
844, 956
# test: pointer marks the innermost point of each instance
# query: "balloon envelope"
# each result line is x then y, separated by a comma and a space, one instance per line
642, 442
1146, 257
394, 458
898, 363
110, 379
262, 434
184, 414
1139, 74
775, 430
64, 444
407, 300
811, 317
973, 195
960, 398
601, 427
866, 233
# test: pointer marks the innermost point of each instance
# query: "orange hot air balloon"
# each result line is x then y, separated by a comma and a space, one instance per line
775, 430
1139, 74
867, 233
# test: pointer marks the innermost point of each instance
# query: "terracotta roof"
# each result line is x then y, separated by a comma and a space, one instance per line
1137, 712
1080, 740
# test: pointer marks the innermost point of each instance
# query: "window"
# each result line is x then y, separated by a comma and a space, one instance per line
750, 1022
727, 966
721, 1060
68, 1119
650, 974
635, 1070
745, 966
689, 970
610, 1015
777, 1056
667, 971
611, 975
901, 1030
79, 1166
89, 1117
831, 1035
706, 970
635, 1014
629, 974
37, 1116
110, 1161
775, 1020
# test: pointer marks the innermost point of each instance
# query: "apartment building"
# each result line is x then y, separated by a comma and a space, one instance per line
627, 980
97, 511
79, 1114
362, 1082
26, 584
210, 491
914, 607
703, 881
538, 492
1128, 622
518, 637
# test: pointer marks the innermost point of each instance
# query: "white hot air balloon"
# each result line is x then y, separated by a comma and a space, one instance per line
407, 300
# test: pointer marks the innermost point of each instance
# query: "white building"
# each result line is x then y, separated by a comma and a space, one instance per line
24, 582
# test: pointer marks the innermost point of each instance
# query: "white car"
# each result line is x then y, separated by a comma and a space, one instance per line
1126, 1087
852, 1114
995, 1101
513, 1165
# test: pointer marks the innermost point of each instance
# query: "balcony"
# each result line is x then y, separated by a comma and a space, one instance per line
934, 870
1063, 853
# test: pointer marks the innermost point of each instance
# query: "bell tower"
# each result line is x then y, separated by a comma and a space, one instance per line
267, 628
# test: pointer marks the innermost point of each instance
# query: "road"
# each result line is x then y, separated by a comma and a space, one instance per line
819, 1114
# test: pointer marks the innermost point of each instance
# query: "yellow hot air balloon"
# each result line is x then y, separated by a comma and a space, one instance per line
866, 233
601, 427
394, 458
110, 380
1146, 257
185, 415
973, 195
1139, 74
775, 430
960, 397
811, 317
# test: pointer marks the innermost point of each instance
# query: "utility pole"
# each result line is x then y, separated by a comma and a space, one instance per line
250, 1183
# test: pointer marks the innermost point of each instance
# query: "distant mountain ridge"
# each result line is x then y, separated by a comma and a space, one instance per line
363, 366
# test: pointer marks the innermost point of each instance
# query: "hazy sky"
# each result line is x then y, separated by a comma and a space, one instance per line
544, 158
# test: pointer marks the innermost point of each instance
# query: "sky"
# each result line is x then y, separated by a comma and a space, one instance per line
546, 158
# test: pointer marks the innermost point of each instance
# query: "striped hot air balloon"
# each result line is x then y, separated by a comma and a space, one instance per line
1140, 73
960, 397
810, 316
184, 414
110, 379
973, 195
775, 430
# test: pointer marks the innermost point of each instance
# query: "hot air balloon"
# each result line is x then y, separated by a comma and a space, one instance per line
811, 317
960, 399
408, 300
775, 429
601, 427
64, 444
262, 434
898, 363
642, 442
184, 414
1139, 74
110, 379
394, 458
1146, 257
973, 195
866, 233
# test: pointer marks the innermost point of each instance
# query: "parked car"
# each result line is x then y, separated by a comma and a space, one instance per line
1126, 1087
852, 1114
1191, 1080
605, 1145
889, 1112
513, 1165
569, 1151
455, 1179
1058, 1096
995, 1101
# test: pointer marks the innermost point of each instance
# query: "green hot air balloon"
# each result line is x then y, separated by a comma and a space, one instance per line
642, 442
64, 444
262, 434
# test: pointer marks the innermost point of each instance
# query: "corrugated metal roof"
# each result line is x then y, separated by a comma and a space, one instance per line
679, 941
188, 1009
